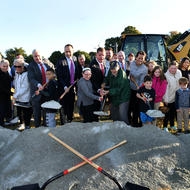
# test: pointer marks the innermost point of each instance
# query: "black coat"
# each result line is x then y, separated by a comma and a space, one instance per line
35, 76
63, 73
5, 85
97, 75
50, 92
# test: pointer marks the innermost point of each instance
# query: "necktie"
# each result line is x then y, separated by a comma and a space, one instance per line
72, 72
43, 74
123, 66
102, 68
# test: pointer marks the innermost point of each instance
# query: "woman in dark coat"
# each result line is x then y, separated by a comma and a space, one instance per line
5, 92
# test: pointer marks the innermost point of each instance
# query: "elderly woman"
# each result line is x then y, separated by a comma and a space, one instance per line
22, 94
119, 92
5, 92
86, 97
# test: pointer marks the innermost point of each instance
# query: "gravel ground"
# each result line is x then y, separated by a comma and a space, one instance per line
151, 157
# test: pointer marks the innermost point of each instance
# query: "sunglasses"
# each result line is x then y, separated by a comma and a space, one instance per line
18, 66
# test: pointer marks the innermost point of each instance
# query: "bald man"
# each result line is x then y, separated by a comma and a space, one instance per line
37, 78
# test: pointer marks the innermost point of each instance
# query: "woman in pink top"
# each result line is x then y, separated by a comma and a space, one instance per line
159, 83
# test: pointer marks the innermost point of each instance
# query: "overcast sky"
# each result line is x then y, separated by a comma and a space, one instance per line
48, 25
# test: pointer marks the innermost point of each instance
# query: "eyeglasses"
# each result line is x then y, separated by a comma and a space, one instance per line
17, 66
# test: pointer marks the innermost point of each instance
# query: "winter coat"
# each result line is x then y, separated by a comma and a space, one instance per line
22, 87
5, 85
85, 93
119, 88
172, 87
159, 87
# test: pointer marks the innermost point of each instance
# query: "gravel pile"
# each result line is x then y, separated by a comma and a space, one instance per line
151, 157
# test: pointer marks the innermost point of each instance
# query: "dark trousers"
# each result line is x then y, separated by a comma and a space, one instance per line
87, 113
134, 112
24, 115
120, 112
36, 107
170, 115
68, 104
5, 110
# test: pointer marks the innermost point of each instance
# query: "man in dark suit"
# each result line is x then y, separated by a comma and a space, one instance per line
37, 79
98, 69
81, 64
67, 73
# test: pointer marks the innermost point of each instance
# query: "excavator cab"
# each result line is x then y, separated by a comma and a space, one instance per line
152, 44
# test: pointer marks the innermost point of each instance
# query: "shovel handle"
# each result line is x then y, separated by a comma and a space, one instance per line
86, 159
96, 156
69, 89
81, 164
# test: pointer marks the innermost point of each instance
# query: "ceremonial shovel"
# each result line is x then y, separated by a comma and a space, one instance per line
37, 187
52, 104
128, 186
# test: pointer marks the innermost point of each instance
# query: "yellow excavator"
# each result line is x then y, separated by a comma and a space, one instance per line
181, 46
155, 47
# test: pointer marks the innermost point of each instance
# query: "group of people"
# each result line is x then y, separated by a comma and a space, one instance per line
131, 87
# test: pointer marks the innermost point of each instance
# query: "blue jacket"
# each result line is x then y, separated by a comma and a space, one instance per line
182, 98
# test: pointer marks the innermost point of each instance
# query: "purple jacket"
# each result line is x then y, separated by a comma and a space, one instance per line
159, 87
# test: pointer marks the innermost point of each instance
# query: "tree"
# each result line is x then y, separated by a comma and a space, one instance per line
92, 54
55, 56
173, 35
87, 56
114, 43
130, 30
29, 58
13, 52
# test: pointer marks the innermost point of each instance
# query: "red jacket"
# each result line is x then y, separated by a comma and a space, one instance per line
160, 88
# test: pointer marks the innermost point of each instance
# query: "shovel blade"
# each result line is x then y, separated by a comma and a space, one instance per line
27, 187
131, 186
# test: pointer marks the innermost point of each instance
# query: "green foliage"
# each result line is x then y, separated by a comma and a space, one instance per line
55, 56
13, 52
114, 43
172, 37
87, 56
92, 54
28, 58
130, 30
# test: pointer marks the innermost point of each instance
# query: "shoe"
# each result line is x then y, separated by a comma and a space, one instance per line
14, 120
166, 129
187, 132
179, 130
27, 127
174, 128
21, 127
7, 123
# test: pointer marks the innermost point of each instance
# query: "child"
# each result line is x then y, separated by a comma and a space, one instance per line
159, 83
182, 101
49, 93
146, 94
173, 75
85, 100
151, 64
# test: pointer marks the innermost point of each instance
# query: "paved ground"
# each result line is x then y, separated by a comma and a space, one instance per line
151, 157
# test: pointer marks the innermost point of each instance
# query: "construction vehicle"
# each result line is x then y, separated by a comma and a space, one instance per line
155, 47
181, 46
